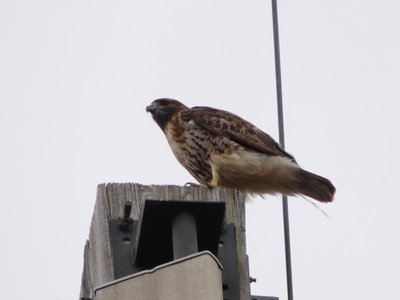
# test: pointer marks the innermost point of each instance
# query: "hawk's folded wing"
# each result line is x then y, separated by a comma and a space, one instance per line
231, 126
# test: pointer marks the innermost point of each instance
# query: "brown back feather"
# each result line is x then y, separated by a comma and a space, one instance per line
224, 123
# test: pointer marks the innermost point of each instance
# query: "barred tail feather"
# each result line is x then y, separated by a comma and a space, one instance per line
314, 186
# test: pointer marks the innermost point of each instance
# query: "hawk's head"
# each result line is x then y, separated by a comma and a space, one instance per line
164, 109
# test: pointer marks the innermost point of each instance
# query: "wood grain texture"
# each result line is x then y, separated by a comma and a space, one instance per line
111, 197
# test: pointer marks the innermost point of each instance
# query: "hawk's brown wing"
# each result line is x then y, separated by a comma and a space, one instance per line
233, 127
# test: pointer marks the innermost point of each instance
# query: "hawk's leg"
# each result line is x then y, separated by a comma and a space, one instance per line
215, 179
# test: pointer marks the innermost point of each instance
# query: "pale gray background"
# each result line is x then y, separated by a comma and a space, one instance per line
75, 77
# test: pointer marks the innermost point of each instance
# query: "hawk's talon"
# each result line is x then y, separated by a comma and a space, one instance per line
193, 184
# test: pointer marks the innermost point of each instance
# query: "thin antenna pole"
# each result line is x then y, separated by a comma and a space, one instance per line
285, 207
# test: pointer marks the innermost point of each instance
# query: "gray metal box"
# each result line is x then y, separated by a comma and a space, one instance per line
195, 277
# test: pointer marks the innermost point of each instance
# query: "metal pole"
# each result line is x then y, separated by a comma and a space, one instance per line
184, 235
285, 207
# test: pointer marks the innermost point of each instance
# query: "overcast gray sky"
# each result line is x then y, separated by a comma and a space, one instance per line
75, 77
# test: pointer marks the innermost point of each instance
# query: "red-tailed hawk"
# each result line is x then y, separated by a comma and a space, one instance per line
220, 148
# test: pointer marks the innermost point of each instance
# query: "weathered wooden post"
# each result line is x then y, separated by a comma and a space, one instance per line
100, 261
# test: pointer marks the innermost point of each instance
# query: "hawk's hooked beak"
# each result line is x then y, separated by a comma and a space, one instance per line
151, 109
